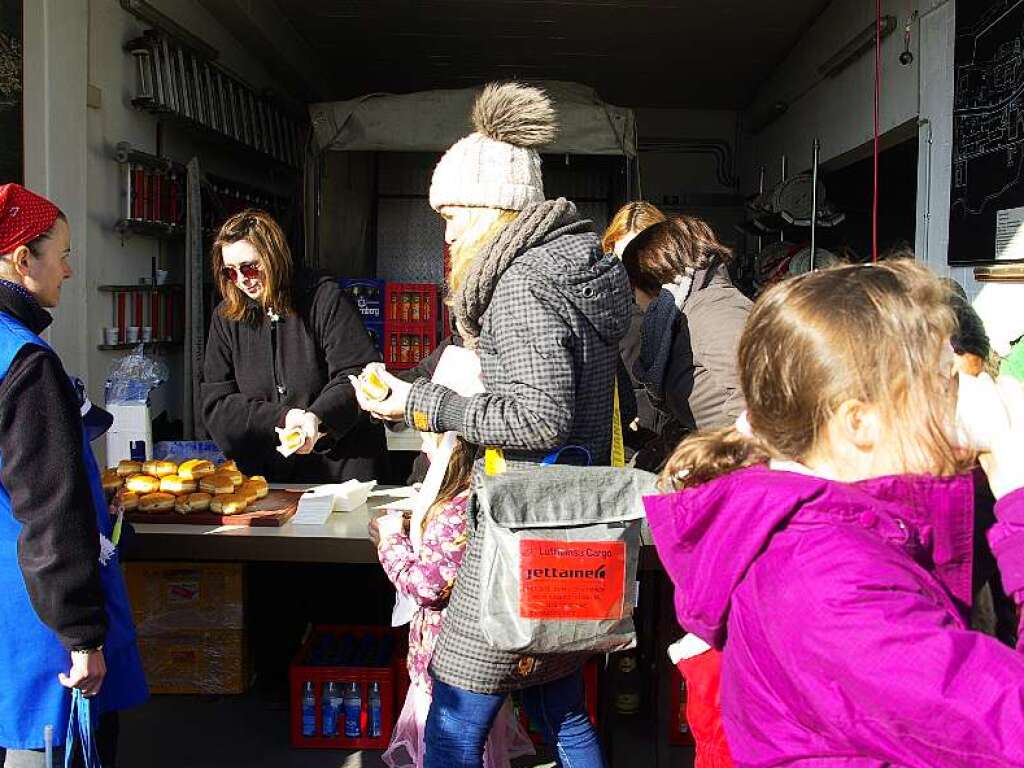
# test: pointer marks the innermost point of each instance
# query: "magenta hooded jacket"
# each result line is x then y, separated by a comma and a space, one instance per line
840, 611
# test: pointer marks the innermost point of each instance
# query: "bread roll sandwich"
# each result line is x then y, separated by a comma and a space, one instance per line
112, 482
248, 492
192, 502
142, 484
177, 485
159, 468
128, 468
229, 464
233, 475
228, 504
127, 501
156, 502
260, 483
216, 484
196, 469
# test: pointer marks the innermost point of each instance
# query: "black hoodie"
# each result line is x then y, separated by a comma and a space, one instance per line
44, 474
255, 372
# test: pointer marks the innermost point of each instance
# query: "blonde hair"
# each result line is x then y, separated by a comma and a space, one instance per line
259, 229
484, 225
873, 333
630, 219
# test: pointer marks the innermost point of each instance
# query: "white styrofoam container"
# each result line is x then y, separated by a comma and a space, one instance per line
132, 424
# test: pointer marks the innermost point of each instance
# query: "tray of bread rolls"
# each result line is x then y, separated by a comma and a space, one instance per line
196, 492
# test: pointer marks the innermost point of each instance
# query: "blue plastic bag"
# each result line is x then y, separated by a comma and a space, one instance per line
81, 731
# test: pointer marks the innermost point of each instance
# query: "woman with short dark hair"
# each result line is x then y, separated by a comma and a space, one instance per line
694, 316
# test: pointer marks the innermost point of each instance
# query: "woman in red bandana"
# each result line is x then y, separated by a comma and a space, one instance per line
65, 621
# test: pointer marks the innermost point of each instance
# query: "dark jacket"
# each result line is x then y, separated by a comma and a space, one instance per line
44, 474
255, 372
702, 383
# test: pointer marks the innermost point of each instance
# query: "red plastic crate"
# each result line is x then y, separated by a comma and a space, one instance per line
410, 323
301, 672
590, 692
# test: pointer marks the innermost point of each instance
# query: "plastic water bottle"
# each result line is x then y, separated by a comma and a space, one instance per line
331, 708
308, 710
353, 706
373, 711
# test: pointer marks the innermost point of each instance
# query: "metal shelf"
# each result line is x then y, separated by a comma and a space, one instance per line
158, 229
171, 288
128, 347
213, 136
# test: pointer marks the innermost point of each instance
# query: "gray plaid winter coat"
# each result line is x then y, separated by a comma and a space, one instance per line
548, 350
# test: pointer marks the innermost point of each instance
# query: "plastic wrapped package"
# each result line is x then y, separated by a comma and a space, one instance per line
175, 596
133, 376
210, 661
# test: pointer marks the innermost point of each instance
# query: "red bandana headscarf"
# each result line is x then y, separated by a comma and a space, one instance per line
24, 216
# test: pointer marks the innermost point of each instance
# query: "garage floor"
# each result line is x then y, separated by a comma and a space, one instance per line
223, 731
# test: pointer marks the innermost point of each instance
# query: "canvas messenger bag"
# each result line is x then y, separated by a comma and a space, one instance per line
559, 557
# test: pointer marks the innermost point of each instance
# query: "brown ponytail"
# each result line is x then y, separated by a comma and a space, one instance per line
702, 458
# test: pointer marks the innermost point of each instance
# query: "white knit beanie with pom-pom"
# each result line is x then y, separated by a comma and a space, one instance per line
498, 166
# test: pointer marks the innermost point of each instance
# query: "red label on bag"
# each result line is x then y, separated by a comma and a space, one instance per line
571, 579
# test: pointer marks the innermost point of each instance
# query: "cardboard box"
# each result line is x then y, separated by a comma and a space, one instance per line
211, 661
176, 596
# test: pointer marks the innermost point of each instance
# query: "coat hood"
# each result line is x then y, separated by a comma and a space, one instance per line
709, 537
595, 283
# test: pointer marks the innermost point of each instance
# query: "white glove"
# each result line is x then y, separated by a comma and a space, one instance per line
1004, 465
307, 423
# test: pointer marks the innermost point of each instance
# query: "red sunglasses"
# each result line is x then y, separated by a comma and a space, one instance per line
250, 271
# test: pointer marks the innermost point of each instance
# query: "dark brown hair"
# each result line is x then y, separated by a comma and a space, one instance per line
873, 333
629, 219
259, 229
664, 251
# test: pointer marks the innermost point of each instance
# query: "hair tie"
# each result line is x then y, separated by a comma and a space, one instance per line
743, 425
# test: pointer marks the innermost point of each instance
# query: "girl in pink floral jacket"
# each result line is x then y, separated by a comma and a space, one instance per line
427, 575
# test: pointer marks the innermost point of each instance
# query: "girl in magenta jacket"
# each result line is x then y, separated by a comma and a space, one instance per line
825, 542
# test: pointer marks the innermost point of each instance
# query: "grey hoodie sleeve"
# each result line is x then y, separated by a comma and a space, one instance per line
533, 343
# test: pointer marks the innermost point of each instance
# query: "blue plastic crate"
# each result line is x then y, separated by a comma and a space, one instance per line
368, 295
183, 450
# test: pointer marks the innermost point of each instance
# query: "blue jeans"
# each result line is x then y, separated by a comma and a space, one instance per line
460, 721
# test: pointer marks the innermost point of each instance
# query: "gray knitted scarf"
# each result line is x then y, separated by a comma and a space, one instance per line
529, 229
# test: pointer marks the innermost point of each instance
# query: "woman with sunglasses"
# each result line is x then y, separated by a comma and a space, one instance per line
282, 345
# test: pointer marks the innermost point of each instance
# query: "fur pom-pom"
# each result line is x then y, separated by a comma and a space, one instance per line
515, 114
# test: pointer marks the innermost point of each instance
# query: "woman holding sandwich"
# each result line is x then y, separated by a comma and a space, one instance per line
275, 392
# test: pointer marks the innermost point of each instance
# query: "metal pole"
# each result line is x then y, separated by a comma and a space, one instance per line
785, 177
814, 201
760, 193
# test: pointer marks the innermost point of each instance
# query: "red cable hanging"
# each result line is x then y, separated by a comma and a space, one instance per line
878, 88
